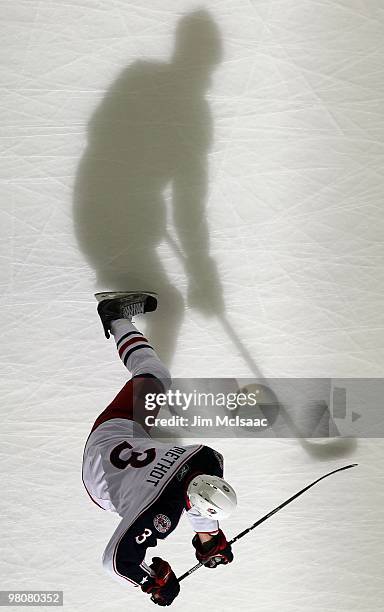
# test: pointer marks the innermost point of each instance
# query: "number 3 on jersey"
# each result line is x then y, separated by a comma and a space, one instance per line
136, 460
141, 538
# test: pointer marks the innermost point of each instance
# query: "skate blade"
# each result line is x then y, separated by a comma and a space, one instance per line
110, 295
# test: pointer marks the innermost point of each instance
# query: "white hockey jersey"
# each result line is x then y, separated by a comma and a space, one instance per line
127, 472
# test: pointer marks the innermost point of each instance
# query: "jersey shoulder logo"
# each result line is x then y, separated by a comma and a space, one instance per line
162, 523
182, 472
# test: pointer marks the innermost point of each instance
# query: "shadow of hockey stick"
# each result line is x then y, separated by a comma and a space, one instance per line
331, 447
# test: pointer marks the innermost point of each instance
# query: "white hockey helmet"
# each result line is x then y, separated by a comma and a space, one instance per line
212, 496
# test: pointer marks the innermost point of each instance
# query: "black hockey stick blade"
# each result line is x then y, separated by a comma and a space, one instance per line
271, 513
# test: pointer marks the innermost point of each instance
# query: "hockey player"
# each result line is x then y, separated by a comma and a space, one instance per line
147, 483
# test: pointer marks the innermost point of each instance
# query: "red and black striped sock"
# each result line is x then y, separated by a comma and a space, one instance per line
136, 353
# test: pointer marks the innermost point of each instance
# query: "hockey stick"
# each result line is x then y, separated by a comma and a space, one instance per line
267, 516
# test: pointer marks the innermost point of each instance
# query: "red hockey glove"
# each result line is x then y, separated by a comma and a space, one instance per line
163, 586
219, 552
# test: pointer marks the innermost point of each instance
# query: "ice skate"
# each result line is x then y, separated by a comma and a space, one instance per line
123, 305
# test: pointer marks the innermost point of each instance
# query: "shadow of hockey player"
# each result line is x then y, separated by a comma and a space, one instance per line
142, 182
143, 179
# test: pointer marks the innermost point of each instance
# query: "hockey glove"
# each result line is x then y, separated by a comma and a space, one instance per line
163, 586
219, 552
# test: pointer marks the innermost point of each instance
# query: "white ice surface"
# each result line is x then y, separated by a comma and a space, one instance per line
290, 187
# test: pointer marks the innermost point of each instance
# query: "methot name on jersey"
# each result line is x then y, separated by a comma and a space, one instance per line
165, 464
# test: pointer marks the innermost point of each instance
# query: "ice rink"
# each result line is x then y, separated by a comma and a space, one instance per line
228, 155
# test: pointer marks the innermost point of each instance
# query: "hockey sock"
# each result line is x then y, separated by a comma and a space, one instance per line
136, 353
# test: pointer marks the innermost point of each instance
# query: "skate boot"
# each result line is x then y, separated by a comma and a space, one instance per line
123, 305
